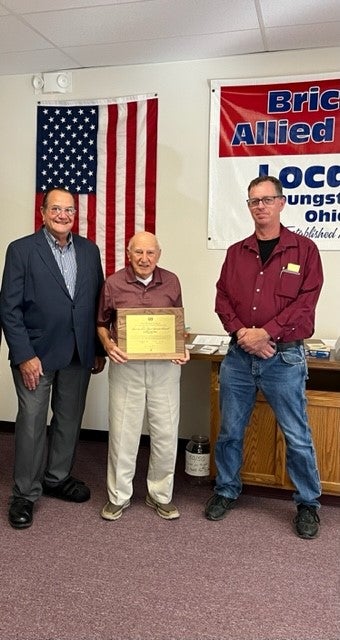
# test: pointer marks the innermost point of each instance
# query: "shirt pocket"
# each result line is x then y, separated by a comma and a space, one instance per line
288, 284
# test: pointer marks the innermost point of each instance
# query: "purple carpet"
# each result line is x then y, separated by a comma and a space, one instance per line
74, 576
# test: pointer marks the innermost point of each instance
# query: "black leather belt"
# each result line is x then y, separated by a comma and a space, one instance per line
280, 346
283, 346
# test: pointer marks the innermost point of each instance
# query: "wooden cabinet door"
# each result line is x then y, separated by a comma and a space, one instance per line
263, 452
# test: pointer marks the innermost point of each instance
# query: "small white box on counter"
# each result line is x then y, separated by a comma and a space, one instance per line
317, 348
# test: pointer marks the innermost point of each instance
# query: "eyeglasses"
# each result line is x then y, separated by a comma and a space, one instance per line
56, 211
266, 200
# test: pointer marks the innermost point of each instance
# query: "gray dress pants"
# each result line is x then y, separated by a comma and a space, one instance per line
34, 462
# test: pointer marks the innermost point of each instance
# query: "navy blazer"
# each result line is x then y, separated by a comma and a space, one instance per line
38, 316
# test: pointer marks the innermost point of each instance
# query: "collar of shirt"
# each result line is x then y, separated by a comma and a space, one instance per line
287, 239
145, 281
65, 258
131, 276
53, 242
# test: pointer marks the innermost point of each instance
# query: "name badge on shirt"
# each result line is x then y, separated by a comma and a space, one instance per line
291, 268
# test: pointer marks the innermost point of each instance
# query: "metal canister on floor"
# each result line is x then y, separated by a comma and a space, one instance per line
197, 460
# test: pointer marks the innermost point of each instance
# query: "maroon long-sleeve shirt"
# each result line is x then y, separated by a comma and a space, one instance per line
279, 296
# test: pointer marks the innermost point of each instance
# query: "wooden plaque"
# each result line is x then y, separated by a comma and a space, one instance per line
155, 333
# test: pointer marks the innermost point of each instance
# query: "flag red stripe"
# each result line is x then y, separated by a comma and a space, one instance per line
37, 213
91, 216
75, 227
151, 162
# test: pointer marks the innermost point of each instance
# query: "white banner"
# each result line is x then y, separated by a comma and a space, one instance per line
286, 127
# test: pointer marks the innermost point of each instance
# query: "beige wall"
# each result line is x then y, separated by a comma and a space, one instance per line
182, 193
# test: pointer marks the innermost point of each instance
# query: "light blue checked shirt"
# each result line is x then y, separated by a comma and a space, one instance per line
65, 258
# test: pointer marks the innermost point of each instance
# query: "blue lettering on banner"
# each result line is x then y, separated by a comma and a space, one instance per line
270, 132
315, 233
314, 199
292, 177
314, 177
322, 216
286, 101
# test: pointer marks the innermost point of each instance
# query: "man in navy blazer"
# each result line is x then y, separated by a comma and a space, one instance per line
50, 288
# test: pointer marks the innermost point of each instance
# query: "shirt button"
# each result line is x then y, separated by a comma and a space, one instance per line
254, 308
257, 290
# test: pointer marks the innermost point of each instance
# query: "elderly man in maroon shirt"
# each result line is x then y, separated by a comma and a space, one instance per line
136, 386
266, 298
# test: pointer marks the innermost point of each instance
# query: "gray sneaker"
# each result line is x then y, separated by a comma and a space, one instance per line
167, 511
114, 511
307, 521
218, 506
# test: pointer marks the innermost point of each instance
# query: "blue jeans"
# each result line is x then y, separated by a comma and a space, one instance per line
282, 380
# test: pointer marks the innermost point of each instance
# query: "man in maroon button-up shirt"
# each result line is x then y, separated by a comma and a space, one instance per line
266, 298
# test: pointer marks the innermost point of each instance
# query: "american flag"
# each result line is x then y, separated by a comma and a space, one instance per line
105, 154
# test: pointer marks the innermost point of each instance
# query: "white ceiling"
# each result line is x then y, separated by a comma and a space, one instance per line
51, 35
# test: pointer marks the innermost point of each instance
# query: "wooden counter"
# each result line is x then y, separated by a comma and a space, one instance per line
264, 446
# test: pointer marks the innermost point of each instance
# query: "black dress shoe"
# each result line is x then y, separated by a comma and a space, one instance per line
72, 490
20, 513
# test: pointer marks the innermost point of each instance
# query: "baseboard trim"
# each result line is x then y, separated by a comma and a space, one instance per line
93, 435
6, 427
285, 494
